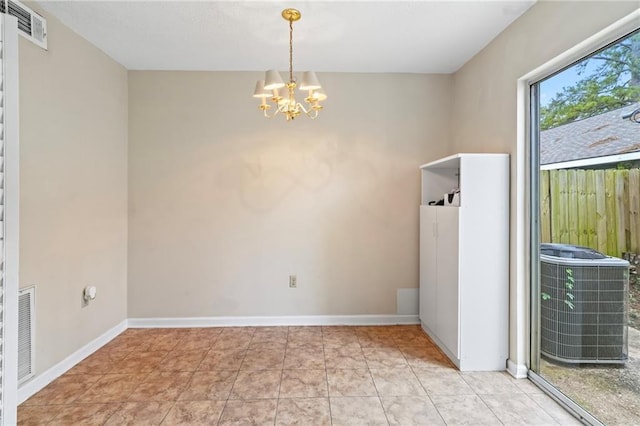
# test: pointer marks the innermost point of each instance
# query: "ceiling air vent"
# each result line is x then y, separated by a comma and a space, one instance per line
30, 25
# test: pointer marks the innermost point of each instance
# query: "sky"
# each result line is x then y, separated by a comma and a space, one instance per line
553, 85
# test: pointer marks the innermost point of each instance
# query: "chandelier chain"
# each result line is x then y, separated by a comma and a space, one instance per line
290, 50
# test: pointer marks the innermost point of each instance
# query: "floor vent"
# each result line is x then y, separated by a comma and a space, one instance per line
26, 323
30, 25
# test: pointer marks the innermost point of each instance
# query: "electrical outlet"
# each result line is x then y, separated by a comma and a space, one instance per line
293, 281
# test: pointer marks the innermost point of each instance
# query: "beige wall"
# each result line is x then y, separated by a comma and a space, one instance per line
484, 91
73, 189
225, 204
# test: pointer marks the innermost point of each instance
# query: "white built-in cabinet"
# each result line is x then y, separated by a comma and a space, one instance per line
464, 259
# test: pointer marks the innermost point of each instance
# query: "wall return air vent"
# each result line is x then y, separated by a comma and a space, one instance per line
26, 323
30, 25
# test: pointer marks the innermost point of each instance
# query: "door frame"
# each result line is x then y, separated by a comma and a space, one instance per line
527, 238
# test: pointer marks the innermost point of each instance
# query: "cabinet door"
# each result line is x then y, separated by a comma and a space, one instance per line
447, 320
428, 274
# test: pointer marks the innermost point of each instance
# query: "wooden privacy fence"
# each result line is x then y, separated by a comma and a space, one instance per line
592, 208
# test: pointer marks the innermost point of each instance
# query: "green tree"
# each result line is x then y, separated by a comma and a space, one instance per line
614, 83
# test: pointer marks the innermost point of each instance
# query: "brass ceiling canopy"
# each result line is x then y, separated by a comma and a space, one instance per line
291, 15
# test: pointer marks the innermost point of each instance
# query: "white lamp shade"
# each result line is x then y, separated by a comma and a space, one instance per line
319, 95
272, 80
310, 81
260, 91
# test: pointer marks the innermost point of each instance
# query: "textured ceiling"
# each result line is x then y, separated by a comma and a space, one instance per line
343, 36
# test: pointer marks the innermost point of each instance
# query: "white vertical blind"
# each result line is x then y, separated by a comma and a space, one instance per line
9, 190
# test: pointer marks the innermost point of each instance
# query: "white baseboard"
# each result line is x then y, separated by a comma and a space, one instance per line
43, 379
273, 321
519, 371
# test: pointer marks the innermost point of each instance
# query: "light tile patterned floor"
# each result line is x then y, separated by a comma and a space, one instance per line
283, 376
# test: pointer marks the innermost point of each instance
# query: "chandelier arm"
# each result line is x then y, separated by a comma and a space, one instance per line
300, 106
266, 114
277, 109
311, 113
282, 108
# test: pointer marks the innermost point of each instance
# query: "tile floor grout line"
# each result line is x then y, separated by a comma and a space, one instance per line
487, 405
112, 414
275, 417
234, 383
326, 377
326, 373
428, 394
156, 368
227, 399
376, 388
168, 411
435, 406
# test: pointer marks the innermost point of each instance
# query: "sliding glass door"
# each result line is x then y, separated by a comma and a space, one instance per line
585, 234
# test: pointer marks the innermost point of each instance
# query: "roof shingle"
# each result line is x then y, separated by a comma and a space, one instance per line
597, 136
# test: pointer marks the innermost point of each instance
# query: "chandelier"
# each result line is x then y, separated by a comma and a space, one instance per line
282, 94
